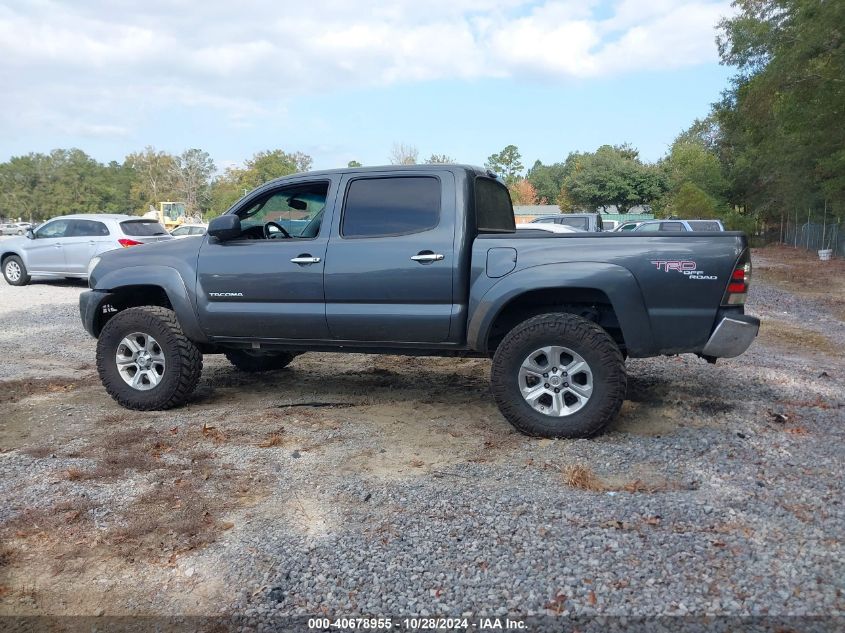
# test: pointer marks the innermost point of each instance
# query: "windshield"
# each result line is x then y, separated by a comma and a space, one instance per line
142, 228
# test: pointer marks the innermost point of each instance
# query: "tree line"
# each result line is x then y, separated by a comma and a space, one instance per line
773, 143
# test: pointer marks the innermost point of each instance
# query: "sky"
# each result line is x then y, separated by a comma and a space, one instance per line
342, 80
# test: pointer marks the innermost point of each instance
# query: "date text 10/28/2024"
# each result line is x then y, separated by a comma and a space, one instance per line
414, 624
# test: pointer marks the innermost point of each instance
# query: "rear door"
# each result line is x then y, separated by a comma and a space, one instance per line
390, 258
45, 253
84, 239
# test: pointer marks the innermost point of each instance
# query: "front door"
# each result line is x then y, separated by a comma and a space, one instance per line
390, 259
269, 282
45, 252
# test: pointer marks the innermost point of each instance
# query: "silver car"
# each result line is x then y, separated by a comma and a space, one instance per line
64, 246
15, 228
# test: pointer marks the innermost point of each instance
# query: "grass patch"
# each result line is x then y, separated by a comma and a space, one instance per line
582, 477
273, 439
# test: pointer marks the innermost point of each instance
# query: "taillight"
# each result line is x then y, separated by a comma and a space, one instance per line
126, 242
740, 280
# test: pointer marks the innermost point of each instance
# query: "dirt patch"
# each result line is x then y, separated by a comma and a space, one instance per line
802, 273
790, 337
146, 498
16, 390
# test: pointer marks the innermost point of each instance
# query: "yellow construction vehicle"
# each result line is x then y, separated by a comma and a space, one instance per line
171, 215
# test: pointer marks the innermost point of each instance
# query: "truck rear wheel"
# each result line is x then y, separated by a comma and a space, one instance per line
558, 375
254, 362
145, 361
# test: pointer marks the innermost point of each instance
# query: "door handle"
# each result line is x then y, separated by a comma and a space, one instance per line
305, 259
425, 257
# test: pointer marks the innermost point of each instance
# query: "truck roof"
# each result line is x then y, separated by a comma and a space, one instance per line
381, 168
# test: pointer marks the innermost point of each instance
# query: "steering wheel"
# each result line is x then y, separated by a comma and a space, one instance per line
268, 235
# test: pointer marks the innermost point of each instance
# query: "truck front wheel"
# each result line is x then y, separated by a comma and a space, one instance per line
558, 375
145, 361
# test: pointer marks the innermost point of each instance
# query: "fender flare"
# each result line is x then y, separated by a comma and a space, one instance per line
169, 280
617, 282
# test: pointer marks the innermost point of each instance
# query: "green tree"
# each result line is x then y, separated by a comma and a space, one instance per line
192, 171
440, 159
153, 180
267, 165
264, 166
403, 154
690, 202
39, 186
612, 176
782, 138
547, 179
354, 163
506, 164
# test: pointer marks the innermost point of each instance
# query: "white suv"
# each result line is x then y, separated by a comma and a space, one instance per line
64, 246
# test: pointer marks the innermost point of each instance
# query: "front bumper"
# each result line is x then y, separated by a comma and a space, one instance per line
90, 303
732, 336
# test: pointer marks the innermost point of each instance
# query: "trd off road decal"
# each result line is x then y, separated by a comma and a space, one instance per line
683, 266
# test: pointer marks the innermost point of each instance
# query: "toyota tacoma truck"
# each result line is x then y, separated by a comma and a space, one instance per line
419, 260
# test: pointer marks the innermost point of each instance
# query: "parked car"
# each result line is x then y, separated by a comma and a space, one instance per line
627, 226
590, 222
679, 225
422, 260
64, 246
549, 228
15, 228
609, 225
189, 230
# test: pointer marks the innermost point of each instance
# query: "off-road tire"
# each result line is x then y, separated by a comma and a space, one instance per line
23, 278
586, 338
183, 359
254, 363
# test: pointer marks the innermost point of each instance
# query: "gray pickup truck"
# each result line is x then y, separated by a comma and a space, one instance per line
420, 260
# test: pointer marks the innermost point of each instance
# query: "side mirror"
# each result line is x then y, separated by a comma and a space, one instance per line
225, 227
29, 234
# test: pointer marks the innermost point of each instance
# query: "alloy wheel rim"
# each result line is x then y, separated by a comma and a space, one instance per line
13, 271
140, 361
555, 381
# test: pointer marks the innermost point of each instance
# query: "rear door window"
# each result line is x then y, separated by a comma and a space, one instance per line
379, 207
87, 228
704, 225
142, 228
653, 227
577, 223
671, 226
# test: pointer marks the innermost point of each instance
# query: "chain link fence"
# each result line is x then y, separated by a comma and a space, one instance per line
812, 235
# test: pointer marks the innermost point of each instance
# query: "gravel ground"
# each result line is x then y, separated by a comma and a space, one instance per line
718, 491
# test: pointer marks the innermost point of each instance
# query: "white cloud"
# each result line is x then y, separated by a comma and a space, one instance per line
97, 65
